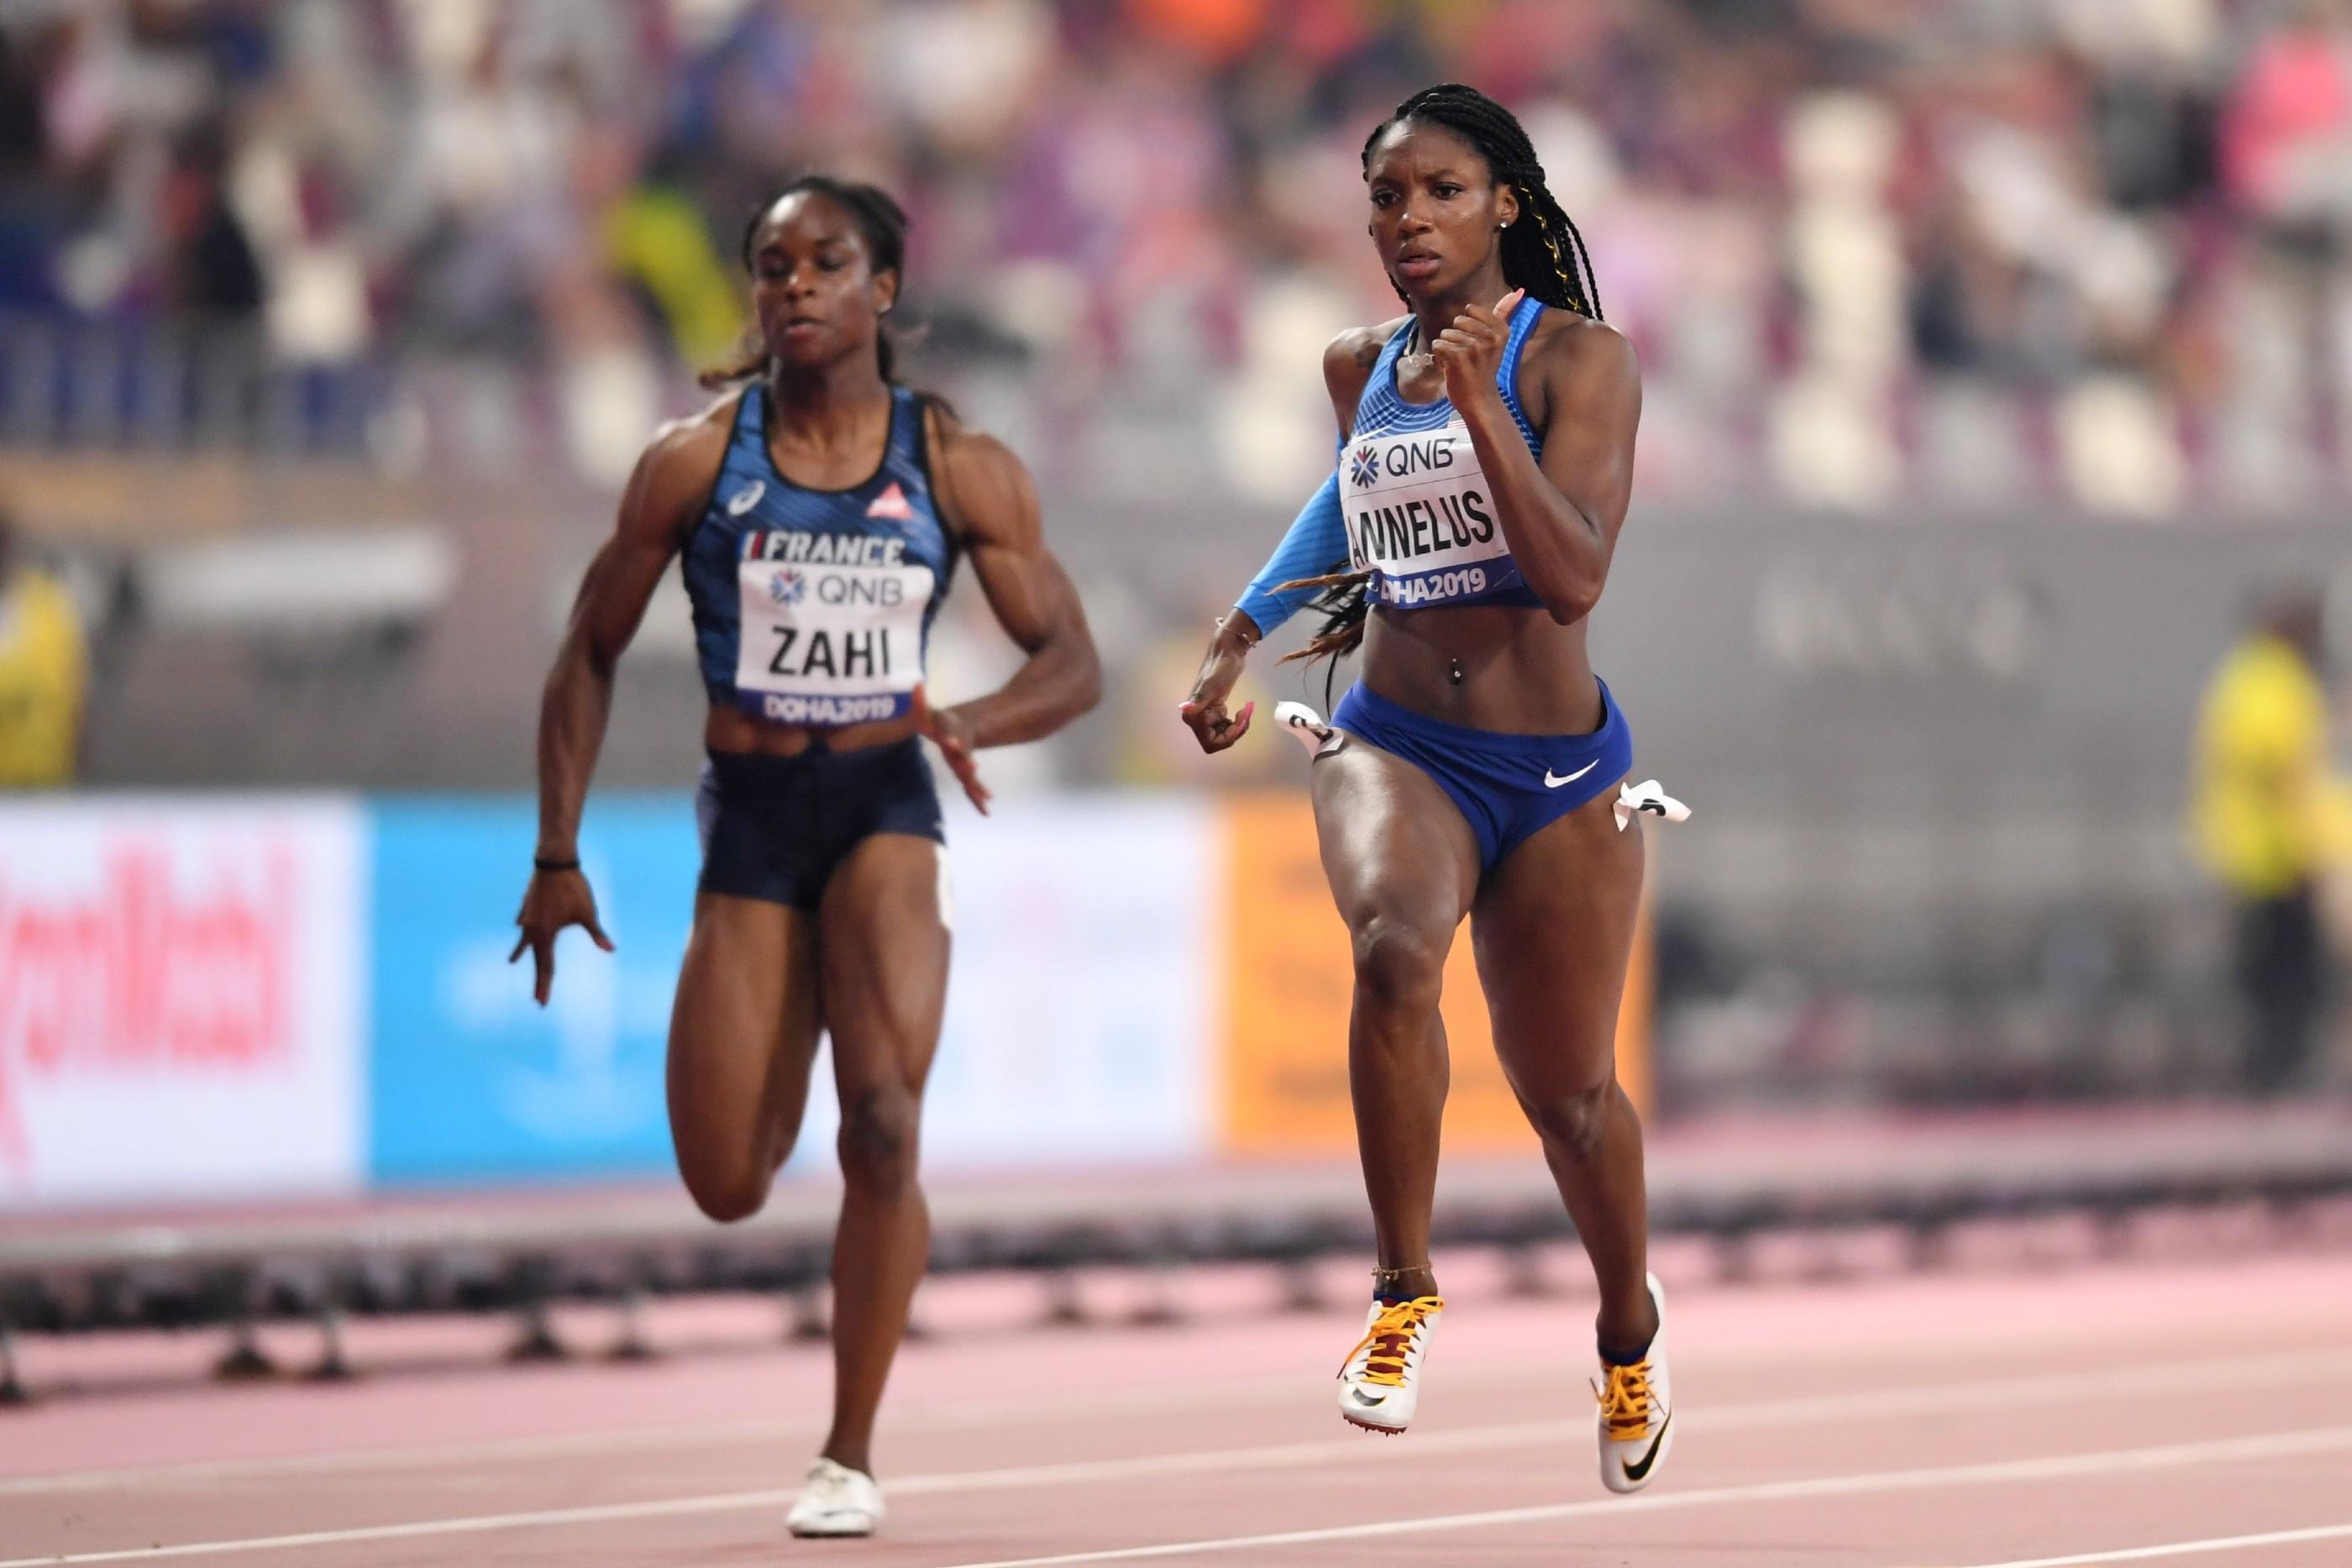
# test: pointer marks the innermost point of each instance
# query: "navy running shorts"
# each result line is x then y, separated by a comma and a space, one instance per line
1509, 787
775, 828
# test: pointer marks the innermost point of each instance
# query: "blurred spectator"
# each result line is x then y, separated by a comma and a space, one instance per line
2269, 819
44, 672
2093, 249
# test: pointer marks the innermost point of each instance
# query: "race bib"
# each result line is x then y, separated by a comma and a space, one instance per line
827, 643
1421, 518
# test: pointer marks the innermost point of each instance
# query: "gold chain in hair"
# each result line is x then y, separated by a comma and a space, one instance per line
1559, 267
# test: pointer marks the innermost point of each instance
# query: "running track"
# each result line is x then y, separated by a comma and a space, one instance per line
2126, 1413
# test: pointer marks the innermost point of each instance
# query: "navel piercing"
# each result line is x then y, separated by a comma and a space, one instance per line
1454, 668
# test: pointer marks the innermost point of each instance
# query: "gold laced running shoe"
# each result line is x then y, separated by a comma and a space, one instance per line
1378, 1382
1637, 1413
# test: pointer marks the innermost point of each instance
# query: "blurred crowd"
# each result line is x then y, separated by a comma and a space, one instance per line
2092, 251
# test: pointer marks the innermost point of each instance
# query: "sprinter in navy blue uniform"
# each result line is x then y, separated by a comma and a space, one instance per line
1486, 460
819, 513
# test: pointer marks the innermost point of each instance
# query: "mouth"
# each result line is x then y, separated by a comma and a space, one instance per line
1417, 263
803, 325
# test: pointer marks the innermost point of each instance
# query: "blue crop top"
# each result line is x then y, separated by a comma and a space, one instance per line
1407, 502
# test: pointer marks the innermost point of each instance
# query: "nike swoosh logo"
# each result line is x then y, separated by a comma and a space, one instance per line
1553, 781
1642, 1471
1368, 1400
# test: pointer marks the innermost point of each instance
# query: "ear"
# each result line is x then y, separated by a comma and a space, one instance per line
885, 292
1507, 205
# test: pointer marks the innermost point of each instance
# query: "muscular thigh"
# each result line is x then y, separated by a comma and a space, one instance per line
1553, 931
883, 951
744, 1031
1394, 846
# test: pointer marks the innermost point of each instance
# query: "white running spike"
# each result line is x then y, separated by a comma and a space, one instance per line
1304, 723
1630, 1458
835, 1501
1648, 796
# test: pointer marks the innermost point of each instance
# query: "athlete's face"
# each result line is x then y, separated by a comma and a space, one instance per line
1436, 209
813, 282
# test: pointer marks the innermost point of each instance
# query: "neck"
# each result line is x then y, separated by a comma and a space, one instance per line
822, 400
1436, 313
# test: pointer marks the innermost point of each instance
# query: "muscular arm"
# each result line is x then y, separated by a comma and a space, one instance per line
1317, 539
989, 498
669, 486
1561, 516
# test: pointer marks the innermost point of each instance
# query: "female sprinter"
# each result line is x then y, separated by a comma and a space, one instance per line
1486, 452
820, 511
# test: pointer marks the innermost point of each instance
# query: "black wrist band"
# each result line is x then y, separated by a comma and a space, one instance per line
543, 864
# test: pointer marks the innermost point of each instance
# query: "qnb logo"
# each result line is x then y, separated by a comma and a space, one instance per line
1364, 466
138, 978
788, 587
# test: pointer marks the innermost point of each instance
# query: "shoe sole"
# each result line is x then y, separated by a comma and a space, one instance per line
1371, 1427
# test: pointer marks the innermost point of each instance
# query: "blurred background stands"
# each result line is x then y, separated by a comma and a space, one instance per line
1992, 352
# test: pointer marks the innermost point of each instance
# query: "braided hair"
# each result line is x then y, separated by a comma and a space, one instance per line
1548, 258
880, 221
1545, 256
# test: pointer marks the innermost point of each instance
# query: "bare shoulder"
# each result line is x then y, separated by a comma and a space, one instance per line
1577, 351
1349, 359
1347, 365
676, 472
984, 488
693, 446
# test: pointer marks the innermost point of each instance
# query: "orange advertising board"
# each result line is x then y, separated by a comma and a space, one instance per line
1284, 1076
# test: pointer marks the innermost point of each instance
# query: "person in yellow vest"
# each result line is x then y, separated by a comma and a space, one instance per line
44, 672
2269, 818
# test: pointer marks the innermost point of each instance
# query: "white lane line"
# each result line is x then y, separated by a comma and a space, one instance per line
2113, 1462
2282, 1369
1350, 1450
2185, 1548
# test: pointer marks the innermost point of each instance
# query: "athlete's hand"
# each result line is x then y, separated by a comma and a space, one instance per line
1470, 351
554, 900
1204, 711
948, 730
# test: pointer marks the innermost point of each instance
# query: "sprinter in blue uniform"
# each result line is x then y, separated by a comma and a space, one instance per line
1486, 460
819, 513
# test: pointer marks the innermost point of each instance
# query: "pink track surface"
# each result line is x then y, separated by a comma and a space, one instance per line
1960, 1420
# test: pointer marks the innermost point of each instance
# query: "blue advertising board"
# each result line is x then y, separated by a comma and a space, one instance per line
1077, 1019
469, 1080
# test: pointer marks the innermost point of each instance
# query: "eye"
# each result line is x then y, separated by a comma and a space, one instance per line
1447, 190
831, 263
1384, 198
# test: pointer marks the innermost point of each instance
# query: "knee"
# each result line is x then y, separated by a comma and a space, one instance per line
879, 1140
1399, 964
727, 1191
1573, 1125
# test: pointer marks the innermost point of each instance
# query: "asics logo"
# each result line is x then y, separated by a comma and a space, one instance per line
1554, 781
1641, 1472
743, 500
